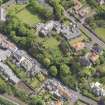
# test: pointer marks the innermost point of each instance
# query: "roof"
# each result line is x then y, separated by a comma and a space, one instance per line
2, 14
22, 1
85, 62
97, 49
77, 4
93, 57
78, 46
8, 73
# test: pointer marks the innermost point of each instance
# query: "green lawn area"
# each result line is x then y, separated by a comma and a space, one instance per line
35, 83
24, 14
49, 42
101, 33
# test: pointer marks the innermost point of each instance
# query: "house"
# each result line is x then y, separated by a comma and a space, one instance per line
97, 49
7, 72
83, 12
5, 44
33, 71
69, 32
22, 1
77, 5
93, 57
4, 54
101, 2
97, 89
2, 14
45, 29
26, 63
78, 46
85, 62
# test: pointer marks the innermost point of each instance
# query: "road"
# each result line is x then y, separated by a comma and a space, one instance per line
94, 38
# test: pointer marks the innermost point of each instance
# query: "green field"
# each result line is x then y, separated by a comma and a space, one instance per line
49, 42
24, 14
101, 33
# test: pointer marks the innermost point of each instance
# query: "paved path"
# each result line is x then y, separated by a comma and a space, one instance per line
94, 38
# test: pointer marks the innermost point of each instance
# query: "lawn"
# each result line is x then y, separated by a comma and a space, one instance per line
35, 83
24, 14
101, 33
49, 42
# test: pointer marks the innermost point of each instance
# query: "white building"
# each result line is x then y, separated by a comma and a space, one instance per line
2, 14
7, 72
101, 2
97, 89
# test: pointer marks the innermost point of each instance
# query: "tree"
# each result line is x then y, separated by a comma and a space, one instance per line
46, 61
43, 9
37, 101
1, 1
64, 70
53, 71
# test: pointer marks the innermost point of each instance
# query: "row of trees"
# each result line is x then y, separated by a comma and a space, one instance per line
19, 32
58, 8
3, 1
43, 10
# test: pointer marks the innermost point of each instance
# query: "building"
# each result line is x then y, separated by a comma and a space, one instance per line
101, 2
69, 32
83, 12
45, 29
97, 89
77, 5
97, 49
7, 72
78, 46
22, 1
85, 62
93, 57
2, 14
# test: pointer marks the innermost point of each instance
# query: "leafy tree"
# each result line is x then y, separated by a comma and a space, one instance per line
64, 70
46, 61
1, 1
44, 10
53, 71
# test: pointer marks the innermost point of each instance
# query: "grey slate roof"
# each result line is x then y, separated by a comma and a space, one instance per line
8, 73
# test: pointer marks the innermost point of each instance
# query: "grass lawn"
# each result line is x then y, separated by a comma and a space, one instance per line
24, 14
2, 82
49, 42
101, 33
35, 83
